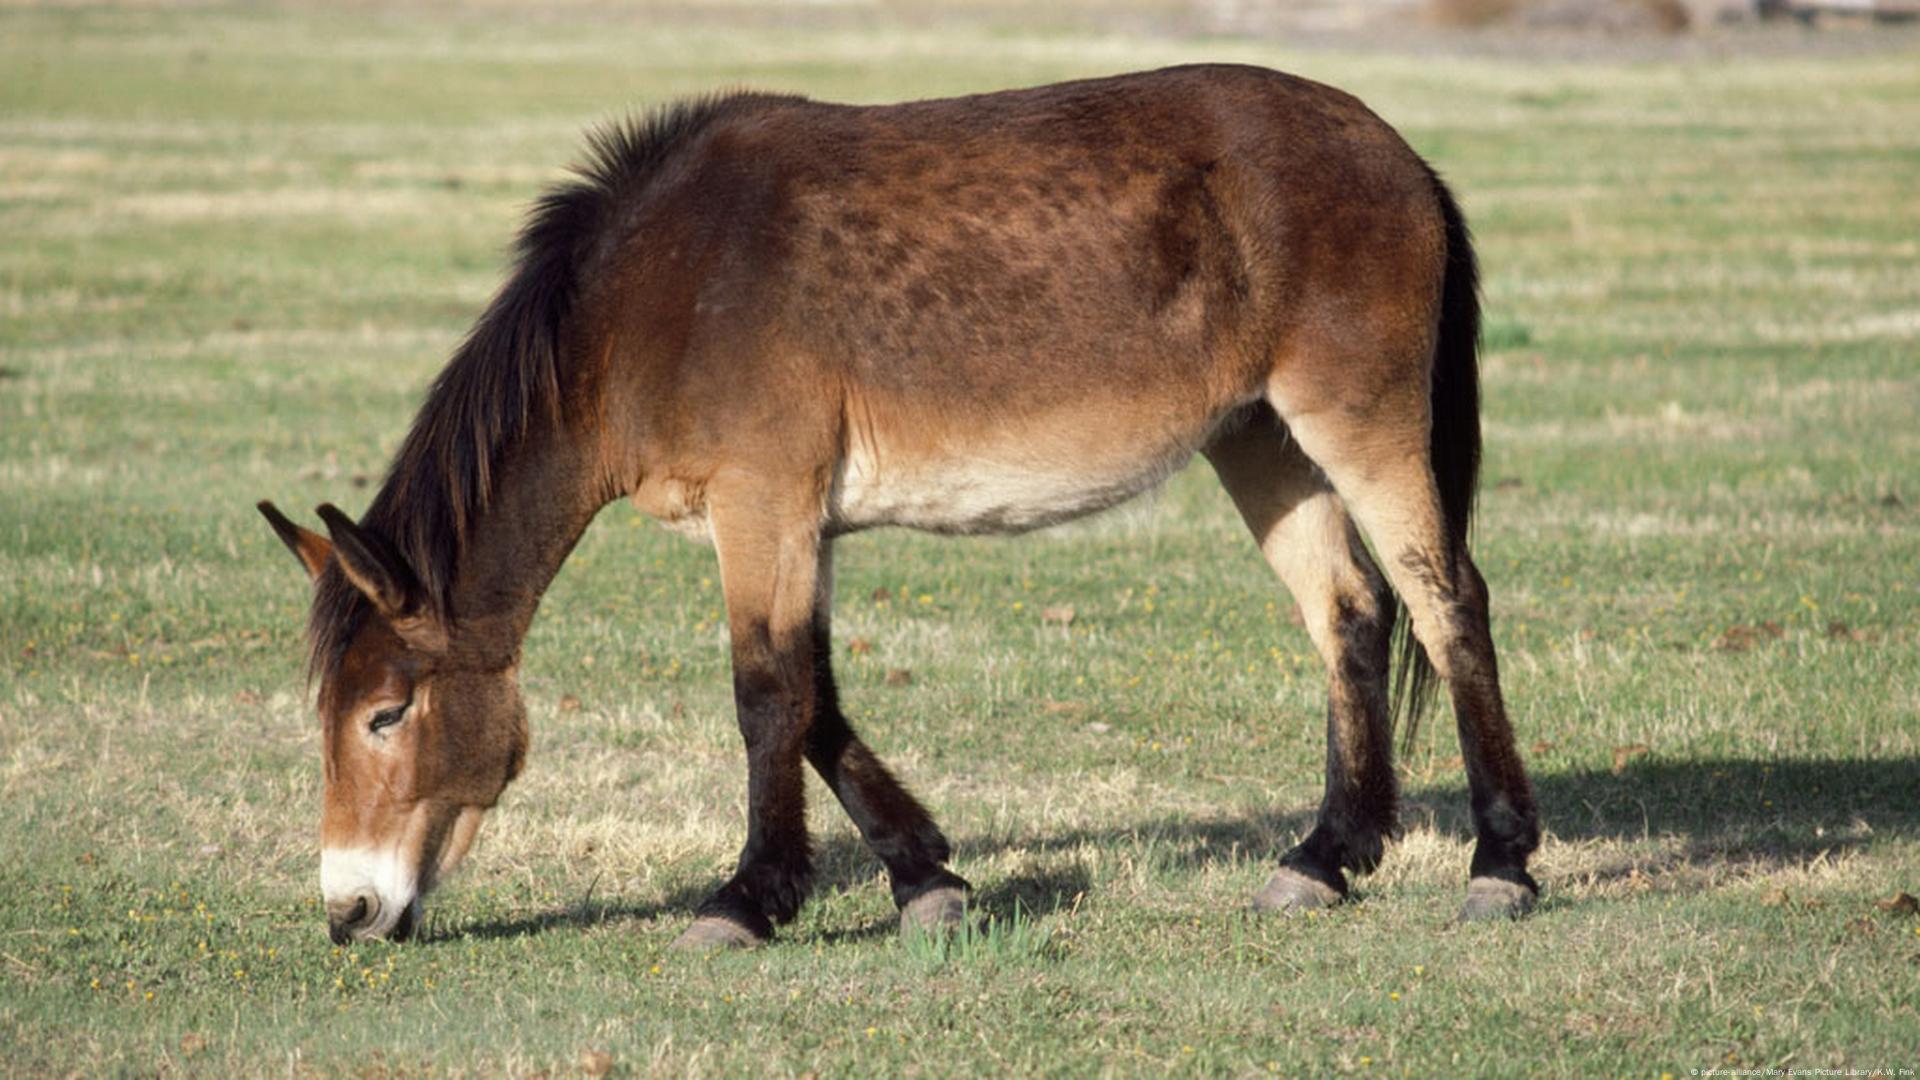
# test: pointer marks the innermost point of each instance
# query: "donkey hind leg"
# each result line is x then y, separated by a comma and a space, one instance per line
1383, 474
894, 824
1305, 534
768, 543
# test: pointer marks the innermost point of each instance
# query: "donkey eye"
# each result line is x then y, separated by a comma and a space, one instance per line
386, 718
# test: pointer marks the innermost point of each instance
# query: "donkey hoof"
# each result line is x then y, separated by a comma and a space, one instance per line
937, 910
711, 933
1490, 898
1289, 891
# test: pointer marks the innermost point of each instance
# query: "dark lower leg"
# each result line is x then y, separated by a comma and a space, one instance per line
775, 871
1506, 823
1358, 811
892, 821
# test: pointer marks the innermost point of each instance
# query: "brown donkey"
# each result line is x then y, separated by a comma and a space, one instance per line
775, 321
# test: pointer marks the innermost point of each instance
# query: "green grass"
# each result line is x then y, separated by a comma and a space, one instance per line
238, 242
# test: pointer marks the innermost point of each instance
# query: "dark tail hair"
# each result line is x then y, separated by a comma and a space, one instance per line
1454, 444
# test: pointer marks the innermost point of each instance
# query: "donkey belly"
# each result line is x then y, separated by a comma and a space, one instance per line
989, 490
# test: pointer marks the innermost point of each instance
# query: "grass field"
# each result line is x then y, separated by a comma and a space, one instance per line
235, 243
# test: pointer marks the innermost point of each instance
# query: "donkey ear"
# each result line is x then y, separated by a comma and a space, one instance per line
372, 565
308, 546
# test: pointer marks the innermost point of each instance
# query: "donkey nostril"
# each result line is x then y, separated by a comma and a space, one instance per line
344, 917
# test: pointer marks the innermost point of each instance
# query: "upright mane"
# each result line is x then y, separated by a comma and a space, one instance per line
504, 378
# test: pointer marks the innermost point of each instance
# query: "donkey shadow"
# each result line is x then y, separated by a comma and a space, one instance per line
1720, 810
579, 915
1723, 811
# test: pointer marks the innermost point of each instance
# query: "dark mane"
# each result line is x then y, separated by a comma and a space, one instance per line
504, 378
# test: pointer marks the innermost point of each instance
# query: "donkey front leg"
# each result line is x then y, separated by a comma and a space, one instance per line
891, 820
768, 569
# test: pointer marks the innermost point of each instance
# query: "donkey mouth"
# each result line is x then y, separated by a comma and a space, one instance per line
362, 922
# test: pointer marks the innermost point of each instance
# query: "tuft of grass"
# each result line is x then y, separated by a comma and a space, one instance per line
1012, 940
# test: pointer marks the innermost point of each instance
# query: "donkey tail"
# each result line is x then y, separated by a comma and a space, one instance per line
1454, 441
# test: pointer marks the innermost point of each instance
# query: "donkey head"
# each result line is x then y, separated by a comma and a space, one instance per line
421, 730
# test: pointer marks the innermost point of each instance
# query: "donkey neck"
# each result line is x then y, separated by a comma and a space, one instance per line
542, 504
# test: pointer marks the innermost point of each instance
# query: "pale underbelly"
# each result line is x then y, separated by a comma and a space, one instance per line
987, 495
1004, 486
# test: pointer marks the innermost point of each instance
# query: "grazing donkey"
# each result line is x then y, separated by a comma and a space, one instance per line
775, 321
